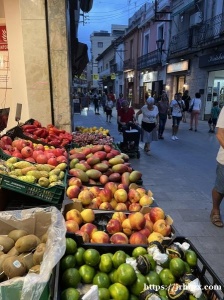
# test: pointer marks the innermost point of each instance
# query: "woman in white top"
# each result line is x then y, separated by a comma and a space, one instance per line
196, 102
149, 123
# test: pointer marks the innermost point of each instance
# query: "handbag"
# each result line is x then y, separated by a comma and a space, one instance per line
191, 108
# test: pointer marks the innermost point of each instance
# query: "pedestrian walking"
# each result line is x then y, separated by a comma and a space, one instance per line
176, 106
187, 100
218, 189
108, 109
214, 117
164, 110
196, 107
96, 104
149, 124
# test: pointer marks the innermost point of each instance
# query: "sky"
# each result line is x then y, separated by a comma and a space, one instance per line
104, 13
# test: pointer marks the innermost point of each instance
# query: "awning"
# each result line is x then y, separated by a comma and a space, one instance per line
182, 9
80, 58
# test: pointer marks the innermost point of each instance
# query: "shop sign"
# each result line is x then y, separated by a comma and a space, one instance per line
3, 39
95, 76
112, 76
149, 77
211, 59
178, 67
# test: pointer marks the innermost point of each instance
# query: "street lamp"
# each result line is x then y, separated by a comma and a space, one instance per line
159, 44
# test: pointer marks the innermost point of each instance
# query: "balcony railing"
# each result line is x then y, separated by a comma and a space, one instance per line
210, 31
129, 64
149, 60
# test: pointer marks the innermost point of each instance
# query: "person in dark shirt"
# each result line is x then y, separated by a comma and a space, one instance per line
187, 100
96, 104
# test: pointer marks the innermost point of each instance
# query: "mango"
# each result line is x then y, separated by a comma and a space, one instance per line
22, 164
125, 178
80, 156
120, 168
73, 162
34, 173
97, 148
25, 170
61, 166
101, 154
81, 166
43, 181
27, 178
116, 160
93, 160
115, 177
102, 167
93, 174
79, 174
135, 176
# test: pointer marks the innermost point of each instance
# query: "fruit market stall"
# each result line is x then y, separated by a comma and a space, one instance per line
114, 241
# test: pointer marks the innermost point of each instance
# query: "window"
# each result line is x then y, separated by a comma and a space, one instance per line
146, 44
131, 49
100, 44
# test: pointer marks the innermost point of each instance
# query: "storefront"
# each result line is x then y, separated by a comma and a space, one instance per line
213, 63
150, 83
176, 77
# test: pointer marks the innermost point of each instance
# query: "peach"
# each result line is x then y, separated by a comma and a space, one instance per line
88, 215
84, 235
106, 206
134, 207
123, 186
113, 203
71, 226
120, 216
75, 181
156, 213
127, 227
92, 206
155, 236
89, 228
85, 196
100, 237
138, 238
74, 215
141, 191
137, 220
133, 195
95, 190
105, 195
121, 195
146, 231
161, 227
145, 200
111, 186
119, 238
121, 207
73, 191
147, 216
113, 226
149, 225
97, 201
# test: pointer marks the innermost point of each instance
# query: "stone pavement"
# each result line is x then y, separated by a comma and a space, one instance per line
181, 175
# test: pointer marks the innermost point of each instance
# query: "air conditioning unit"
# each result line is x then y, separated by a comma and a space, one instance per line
196, 19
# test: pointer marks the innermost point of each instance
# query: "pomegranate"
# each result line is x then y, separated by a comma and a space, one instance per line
36, 153
52, 161
27, 152
61, 159
7, 140
41, 159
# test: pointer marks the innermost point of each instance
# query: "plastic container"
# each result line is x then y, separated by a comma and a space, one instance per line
205, 274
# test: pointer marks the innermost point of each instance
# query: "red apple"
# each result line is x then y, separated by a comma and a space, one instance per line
156, 213
113, 226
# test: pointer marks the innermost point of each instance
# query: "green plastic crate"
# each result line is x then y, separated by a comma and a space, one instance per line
54, 194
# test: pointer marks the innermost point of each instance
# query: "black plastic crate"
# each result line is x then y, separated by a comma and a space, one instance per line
205, 273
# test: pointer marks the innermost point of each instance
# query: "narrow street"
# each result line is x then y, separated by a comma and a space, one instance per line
181, 175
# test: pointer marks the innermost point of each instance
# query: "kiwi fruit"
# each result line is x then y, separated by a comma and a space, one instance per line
35, 269
27, 243
2, 259
16, 234
13, 252
13, 267
39, 253
27, 260
44, 238
6, 243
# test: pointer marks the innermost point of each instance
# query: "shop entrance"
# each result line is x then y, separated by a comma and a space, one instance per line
180, 84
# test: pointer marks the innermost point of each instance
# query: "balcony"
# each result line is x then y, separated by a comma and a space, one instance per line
113, 68
149, 60
209, 32
129, 64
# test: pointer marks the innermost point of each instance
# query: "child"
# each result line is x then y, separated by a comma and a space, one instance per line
108, 108
214, 117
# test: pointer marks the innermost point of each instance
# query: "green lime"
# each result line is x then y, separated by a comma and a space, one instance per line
113, 276
70, 294
138, 285
166, 264
91, 257
191, 258
71, 278
153, 278
152, 261
79, 256
87, 273
119, 292
126, 274
163, 294
71, 246
166, 277
104, 294
187, 267
118, 258
102, 280
133, 297
177, 266
106, 263
139, 251
67, 262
